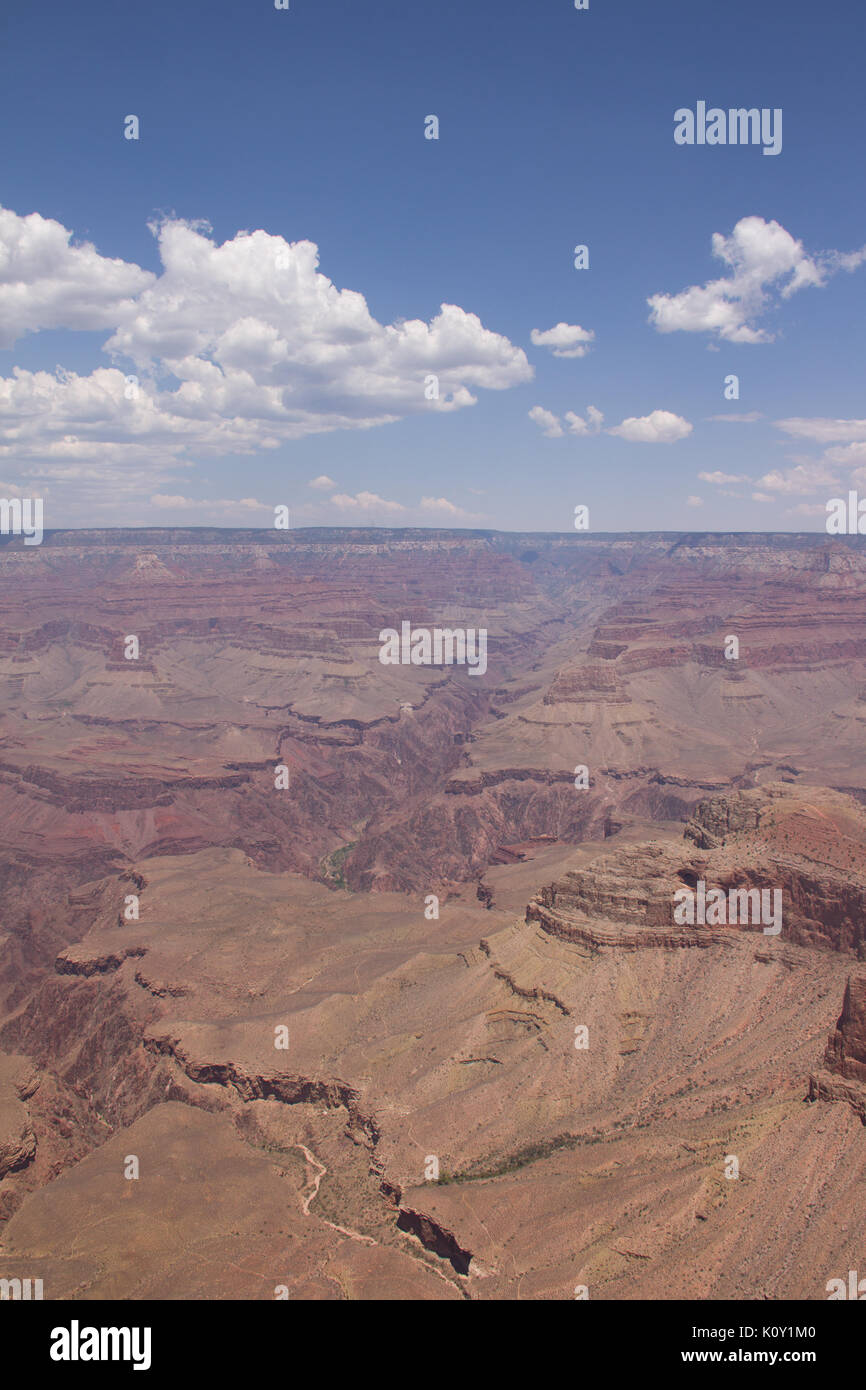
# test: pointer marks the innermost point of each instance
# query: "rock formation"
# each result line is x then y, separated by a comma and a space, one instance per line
423, 1022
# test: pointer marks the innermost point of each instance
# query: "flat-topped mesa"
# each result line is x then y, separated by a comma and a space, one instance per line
784, 861
625, 901
582, 684
628, 888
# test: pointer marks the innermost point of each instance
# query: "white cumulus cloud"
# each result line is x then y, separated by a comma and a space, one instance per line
719, 479
549, 424
365, 502
46, 282
591, 425
564, 339
801, 479
659, 427
167, 502
442, 504
762, 259
231, 349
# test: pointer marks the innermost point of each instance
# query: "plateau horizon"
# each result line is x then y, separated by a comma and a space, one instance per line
31, 524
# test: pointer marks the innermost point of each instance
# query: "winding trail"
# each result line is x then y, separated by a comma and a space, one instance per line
307, 1201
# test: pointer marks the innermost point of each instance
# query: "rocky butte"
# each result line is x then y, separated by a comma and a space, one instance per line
417, 1019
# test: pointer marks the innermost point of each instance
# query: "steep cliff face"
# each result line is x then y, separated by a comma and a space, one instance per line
846, 1049
17, 1140
843, 1075
775, 840
714, 820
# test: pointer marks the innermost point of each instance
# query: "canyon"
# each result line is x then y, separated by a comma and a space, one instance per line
581, 1064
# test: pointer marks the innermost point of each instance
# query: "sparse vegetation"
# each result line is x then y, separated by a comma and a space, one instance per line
331, 867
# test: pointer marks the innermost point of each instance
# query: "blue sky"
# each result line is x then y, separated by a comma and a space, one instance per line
556, 129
